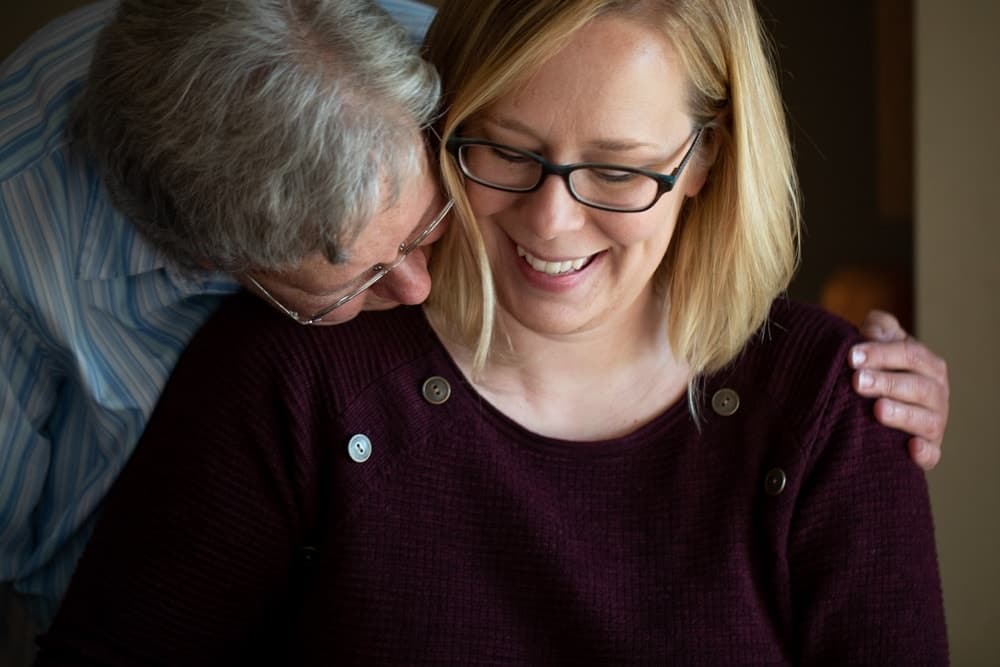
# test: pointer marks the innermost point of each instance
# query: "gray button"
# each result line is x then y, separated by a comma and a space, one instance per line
436, 390
774, 481
725, 402
359, 448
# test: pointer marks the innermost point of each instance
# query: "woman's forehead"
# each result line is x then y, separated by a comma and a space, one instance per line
616, 79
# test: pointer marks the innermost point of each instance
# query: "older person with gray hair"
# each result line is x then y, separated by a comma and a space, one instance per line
281, 142
214, 143
275, 132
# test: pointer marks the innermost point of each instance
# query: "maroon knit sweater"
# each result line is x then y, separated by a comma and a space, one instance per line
793, 531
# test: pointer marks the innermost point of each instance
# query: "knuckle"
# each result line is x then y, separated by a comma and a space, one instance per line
942, 371
914, 352
881, 317
890, 323
887, 383
922, 392
903, 387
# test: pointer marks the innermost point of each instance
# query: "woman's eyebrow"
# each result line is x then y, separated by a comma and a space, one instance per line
604, 144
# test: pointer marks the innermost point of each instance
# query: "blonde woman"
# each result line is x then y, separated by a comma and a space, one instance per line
606, 439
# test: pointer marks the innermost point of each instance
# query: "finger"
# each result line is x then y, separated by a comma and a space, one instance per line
925, 454
907, 355
913, 419
881, 326
902, 387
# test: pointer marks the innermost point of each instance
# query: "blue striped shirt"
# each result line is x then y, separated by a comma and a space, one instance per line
92, 318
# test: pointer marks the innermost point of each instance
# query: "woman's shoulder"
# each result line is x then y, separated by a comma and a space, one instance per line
246, 341
804, 347
795, 369
796, 328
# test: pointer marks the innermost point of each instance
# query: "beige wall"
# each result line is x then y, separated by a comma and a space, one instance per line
958, 300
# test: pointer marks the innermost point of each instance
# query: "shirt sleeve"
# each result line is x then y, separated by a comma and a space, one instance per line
29, 388
863, 566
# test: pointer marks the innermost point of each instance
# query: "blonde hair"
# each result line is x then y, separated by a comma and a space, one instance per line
735, 246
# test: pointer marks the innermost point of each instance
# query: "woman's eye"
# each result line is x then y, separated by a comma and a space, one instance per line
509, 156
614, 176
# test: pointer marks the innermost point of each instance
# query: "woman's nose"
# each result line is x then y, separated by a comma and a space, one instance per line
551, 210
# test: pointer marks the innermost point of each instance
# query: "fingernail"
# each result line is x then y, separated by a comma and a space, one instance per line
858, 356
866, 380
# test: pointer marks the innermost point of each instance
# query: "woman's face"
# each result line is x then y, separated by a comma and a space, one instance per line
615, 94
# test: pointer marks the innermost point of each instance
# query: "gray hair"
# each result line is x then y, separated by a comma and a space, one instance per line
251, 133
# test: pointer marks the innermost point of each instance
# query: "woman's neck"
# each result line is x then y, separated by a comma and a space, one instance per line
590, 385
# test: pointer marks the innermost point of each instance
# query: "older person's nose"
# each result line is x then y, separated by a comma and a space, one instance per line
409, 283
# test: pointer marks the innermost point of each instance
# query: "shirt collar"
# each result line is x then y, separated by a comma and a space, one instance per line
113, 248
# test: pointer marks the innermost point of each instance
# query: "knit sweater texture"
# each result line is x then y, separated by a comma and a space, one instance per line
795, 530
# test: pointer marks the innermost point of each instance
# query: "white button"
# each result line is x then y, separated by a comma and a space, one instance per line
359, 448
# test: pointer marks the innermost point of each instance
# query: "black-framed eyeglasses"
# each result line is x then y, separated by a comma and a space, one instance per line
363, 281
608, 187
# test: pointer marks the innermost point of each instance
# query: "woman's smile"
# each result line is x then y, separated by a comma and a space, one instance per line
553, 267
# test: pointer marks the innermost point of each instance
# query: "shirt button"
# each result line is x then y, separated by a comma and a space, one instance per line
725, 402
359, 448
774, 481
436, 390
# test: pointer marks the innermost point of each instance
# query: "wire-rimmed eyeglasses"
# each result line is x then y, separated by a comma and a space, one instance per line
608, 187
363, 281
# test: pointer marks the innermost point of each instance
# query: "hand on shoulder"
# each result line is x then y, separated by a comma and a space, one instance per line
909, 381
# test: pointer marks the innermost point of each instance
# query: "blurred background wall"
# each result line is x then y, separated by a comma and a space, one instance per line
958, 299
892, 106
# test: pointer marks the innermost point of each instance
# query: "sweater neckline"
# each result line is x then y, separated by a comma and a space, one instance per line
673, 424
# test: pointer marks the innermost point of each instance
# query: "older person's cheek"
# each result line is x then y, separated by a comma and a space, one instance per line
409, 283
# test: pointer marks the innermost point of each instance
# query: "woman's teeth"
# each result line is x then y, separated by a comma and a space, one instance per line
552, 268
